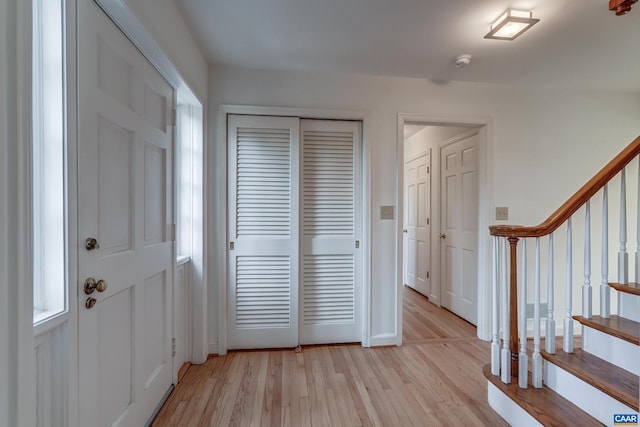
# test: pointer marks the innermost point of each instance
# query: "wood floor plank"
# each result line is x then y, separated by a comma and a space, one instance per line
434, 379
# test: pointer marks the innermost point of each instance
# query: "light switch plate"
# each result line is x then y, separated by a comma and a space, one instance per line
502, 213
386, 212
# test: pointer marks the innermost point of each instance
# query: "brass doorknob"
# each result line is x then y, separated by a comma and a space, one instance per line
91, 285
91, 243
405, 230
443, 236
90, 302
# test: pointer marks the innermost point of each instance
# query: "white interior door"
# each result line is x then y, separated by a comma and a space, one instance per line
459, 226
263, 231
330, 308
125, 204
418, 224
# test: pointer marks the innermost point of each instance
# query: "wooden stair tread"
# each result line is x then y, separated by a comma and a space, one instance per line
543, 404
618, 383
629, 288
620, 327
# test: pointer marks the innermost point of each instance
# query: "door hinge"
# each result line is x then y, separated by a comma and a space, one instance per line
174, 117
427, 221
172, 232
173, 347
427, 169
231, 246
357, 244
427, 274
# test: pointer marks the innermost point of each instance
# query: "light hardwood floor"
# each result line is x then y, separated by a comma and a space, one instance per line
433, 379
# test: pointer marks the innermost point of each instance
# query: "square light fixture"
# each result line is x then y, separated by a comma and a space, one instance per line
511, 24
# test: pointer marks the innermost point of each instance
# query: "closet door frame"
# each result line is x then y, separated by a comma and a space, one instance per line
219, 224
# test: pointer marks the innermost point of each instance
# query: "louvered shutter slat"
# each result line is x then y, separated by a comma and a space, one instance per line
263, 182
329, 294
328, 193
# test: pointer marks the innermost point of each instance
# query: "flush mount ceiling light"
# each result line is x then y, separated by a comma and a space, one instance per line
511, 24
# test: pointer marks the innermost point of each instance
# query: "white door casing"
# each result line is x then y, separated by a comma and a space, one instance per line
294, 232
263, 231
125, 201
459, 226
331, 232
418, 224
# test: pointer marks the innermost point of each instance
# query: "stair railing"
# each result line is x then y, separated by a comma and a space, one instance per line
509, 354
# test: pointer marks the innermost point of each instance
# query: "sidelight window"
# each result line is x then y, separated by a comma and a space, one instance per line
48, 160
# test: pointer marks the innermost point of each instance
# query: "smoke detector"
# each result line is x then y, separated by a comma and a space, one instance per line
463, 61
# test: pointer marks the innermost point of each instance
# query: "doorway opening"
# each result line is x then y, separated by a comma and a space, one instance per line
441, 170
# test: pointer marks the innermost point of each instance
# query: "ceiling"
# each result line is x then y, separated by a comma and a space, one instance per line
577, 43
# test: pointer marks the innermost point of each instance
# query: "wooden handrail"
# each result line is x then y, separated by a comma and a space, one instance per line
576, 201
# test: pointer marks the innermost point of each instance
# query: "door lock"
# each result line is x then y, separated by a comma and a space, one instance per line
91, 243
90, 302
91, 285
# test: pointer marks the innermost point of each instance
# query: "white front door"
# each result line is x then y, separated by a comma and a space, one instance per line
418, 224
125, 204
459, 226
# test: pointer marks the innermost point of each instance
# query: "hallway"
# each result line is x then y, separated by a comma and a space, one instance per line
434, 379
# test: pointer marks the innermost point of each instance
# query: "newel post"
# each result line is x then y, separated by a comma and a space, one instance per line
513, 304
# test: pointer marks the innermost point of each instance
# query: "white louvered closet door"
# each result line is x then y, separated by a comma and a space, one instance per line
263, 229
330, 278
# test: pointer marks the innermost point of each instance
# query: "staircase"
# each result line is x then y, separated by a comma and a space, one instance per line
535, 380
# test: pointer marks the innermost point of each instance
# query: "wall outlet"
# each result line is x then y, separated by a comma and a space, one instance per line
502, 213
386, 212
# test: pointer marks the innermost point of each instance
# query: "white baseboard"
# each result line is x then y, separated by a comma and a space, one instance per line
213, 348
384, 340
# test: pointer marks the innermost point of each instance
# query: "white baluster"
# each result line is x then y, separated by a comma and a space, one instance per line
550, 340
605, 291
536, 360
623, 257
568, 321
506, 353
495, 311
586, 288
523, 366
638, 229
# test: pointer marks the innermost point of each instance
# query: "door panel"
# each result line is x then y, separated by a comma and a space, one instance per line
418, 235
263, 228
331, 211
294, 223
115, 329
459, 219
125, 202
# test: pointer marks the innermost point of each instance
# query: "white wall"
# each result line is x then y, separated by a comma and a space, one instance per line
16, 387
7, 220
543, 143
427, 138
169, 29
